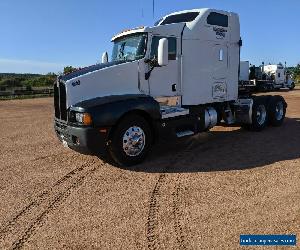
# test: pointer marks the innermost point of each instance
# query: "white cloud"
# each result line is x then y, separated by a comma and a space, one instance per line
28, 66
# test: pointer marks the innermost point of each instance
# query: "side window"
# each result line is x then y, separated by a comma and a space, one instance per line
181, 18
172, 47
217, 19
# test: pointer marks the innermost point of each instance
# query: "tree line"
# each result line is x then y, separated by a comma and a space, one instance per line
14, 80
9, 80
296, 73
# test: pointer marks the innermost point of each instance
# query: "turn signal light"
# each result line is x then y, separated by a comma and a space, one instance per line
83, 118
87, 119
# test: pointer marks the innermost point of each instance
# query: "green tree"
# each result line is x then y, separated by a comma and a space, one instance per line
297, 70
297, 73
69, 69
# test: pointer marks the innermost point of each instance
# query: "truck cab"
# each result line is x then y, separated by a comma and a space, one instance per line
279, 75
175, 79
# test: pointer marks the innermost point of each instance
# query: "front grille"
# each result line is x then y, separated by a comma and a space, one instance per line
60, 101
56, 101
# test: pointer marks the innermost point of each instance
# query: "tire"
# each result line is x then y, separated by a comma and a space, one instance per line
259, 114
131, 141
277, 111
292, 86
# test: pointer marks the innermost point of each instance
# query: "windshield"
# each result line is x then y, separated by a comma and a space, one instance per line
130, 48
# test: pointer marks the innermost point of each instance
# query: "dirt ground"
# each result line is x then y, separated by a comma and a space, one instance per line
199, 193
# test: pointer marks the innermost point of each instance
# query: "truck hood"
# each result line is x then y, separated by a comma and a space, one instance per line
88, 69
117, 78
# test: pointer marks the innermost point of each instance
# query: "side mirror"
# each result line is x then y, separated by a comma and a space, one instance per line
163, 52
105, 57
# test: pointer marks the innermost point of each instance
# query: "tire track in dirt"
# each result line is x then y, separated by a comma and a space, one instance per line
17, 231
177, 214
38, 200
178, 201
65, 154
50, 155
152, 232
152, 222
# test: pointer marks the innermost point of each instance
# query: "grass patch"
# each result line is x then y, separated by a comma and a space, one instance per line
20, 97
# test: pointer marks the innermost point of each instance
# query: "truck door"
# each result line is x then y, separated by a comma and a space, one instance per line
164, 81
279, 77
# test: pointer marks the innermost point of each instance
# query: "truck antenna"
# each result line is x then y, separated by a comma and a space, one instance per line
142, 8
153, 8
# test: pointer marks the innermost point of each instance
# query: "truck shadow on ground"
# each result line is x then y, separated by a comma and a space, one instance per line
216, 150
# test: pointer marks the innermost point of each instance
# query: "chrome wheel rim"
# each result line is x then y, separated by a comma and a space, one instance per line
261, 114
279, 111
134, 141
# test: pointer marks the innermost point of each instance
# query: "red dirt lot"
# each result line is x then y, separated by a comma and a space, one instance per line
198, 193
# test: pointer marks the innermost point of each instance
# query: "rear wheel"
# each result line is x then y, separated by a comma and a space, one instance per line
292, 86
277, 110
259, 115
131, 141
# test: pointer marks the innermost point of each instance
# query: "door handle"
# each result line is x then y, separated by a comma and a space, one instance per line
174, 87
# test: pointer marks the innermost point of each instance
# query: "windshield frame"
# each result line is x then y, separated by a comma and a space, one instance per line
141, 34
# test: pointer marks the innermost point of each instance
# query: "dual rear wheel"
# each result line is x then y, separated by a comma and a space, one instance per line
267, 111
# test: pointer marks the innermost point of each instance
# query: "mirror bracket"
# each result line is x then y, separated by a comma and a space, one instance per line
148, 74
152, 63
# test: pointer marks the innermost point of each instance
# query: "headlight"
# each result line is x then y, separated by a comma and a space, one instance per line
83, 118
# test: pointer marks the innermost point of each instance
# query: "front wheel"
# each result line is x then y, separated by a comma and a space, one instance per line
130, 141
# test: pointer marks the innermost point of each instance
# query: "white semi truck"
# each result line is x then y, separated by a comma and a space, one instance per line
173, 80
278, 74
266, 77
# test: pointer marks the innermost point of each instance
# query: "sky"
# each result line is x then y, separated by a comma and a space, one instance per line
41, 36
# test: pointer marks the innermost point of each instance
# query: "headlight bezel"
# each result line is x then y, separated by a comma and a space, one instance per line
81, 118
